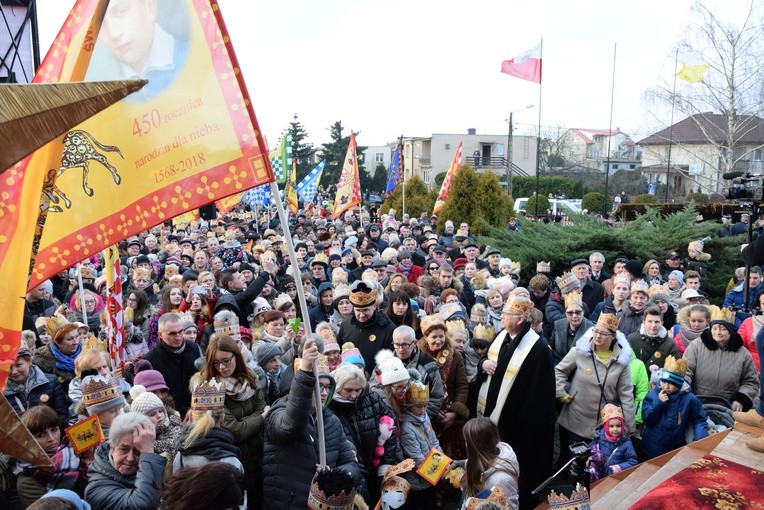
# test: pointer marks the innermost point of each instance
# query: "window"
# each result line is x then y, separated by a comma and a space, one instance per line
447, 146
756, 154
426, 176
632, 167
379, 157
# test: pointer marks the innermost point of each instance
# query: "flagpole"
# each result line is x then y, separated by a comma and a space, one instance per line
671, 126
610, 126
305, 314
538, 141
82, 294
403, 171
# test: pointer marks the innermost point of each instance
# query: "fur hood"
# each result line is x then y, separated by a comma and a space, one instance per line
661, 334
734, 344
684, 313
621, 348
428, 283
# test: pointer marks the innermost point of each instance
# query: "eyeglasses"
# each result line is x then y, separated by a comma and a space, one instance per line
223, 362
325, 388
403, 345
576, 312
400, 388
603, 334
433, 268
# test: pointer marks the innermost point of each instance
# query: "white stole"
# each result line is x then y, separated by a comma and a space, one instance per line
518, 357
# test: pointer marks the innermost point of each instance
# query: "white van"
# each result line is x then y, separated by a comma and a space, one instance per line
557, 206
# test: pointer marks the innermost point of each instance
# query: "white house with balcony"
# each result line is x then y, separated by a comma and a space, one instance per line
601, 148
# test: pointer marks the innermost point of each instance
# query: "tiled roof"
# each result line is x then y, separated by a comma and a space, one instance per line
690, 130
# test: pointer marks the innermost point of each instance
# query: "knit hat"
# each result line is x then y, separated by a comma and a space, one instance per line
144, 401
478, 314
266, 351
678, 275
634, 268
659, 293
187, 320
612, 412
260, 305
674, 371
101, 393
351, 354
152, 380
208, 396
391, 369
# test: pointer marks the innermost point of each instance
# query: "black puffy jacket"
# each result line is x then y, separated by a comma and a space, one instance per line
370, 337
291, 447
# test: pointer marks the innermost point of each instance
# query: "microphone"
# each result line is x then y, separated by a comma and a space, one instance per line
732, 175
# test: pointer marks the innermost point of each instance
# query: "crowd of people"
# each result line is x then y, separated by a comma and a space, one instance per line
423, 341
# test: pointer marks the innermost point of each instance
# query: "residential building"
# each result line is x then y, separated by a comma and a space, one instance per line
698, 151
376, 155
596, 148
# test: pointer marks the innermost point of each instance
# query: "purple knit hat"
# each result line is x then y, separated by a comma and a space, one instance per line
146, 376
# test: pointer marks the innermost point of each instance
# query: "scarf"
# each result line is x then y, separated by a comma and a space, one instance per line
606, 430
405, 268
69, 472
64, 362
272, 339
237, 390
687, 335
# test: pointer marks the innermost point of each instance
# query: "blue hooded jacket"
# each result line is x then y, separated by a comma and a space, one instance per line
665, 423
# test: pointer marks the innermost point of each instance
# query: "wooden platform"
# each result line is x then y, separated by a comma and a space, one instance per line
626, 488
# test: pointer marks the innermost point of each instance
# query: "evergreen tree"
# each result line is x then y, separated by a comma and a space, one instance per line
301, 149
378, 181
476, 198
419, 198
530, 205
595, 202
334, 153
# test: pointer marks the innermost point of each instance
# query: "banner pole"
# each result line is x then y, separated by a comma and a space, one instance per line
305, 314
82, 294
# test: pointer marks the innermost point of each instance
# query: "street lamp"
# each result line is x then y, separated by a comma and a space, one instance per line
509, 148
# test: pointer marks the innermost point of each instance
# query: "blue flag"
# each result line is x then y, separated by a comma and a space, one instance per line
261, 195
306, 189
395, 172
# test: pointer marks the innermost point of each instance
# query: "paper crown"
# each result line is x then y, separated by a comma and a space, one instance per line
448, 310
362, 294
462, 232
56, 322
282, 302
417, 394
695, 246
497, 496
608, 321
478, 314
320, 258
483, 333
578, 499
658, 289
519, 306
208, 396
341, 291
227, 324
456, 327
611, 411
430, 322
332, 489
322, 364
100, 393
516, 266
675, 366
170, 270
573, 298
396, 484
723, 314
543, 267
186, 319
639, 286
567, 282
140, 273
128, 314
92, 342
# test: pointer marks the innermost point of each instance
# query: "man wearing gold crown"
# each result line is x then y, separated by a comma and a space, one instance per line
517, 393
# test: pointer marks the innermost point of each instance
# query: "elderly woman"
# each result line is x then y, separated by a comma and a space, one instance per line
93, 306
368, 422
599, 367
720, 366
568, 331
28, 386
126, 474
57, 358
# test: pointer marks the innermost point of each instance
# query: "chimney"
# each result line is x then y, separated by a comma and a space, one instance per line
471, 131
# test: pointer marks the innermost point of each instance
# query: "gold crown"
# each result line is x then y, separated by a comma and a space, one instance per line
432, 321
639, 286
320, 258
170, 270
658, 289
543, 267
497, 496
478, 314
56, 322
339, 486
456, 327
519, 306
363, 295
128, 314
322, 364
92, 342
567, 282
723, 314
282, 301
417, 394
622, 278
396, 484
186, 318
611, 411
608, 321
208, 396
516, 267
579, 498
573, 298
143, 272
98, 389
675, 366
484, 333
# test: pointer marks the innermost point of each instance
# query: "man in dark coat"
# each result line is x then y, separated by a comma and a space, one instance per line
369, 329
521, 402
323, 310
591, 291
231, 282
291, 441
175, 357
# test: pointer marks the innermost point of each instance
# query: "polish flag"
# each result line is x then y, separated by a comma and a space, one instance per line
527, 65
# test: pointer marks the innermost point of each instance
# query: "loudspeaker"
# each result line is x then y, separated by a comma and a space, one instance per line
208, 212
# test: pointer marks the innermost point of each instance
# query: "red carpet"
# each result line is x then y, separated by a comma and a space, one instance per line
710, 482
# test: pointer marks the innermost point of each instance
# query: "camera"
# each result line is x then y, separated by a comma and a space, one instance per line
580, 449
744, 186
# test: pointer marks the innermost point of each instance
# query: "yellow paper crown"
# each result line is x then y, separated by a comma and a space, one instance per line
519, 306
639, 286
456, 327
608, 321
417, 394
675, 366
723, 314
320, 258
567, 282
573, 298
429, 322
208, 396
128, 314
483, 333
92, 342
56, 322
611, 411
578, 499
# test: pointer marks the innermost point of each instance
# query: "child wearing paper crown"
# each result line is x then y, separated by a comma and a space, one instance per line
612, 451
417, 439
669, 409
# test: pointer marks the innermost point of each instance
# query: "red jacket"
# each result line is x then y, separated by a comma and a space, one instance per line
414, 273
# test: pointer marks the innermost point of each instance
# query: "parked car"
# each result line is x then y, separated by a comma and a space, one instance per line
556, 206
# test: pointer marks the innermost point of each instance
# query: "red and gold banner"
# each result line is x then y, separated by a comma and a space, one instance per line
186, 139
446, 186
349, 187
291, 189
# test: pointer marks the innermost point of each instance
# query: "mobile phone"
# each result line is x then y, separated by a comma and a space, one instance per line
198, 289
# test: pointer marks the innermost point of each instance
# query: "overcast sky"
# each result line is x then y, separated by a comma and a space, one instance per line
417, 67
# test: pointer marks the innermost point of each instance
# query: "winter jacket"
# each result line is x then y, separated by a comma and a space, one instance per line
417, 439
619, 453
560, 342
39, 388
736, 298
665, 423
369, 337
414, 273
591, 294
640, 376
291, 447
606, 306
746, 332
629, 319
504, 473
244, 420
360, 421
177, 370
109, 490
653, 350
728, 373
582, 415
216, 446
320, 314
455, 387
